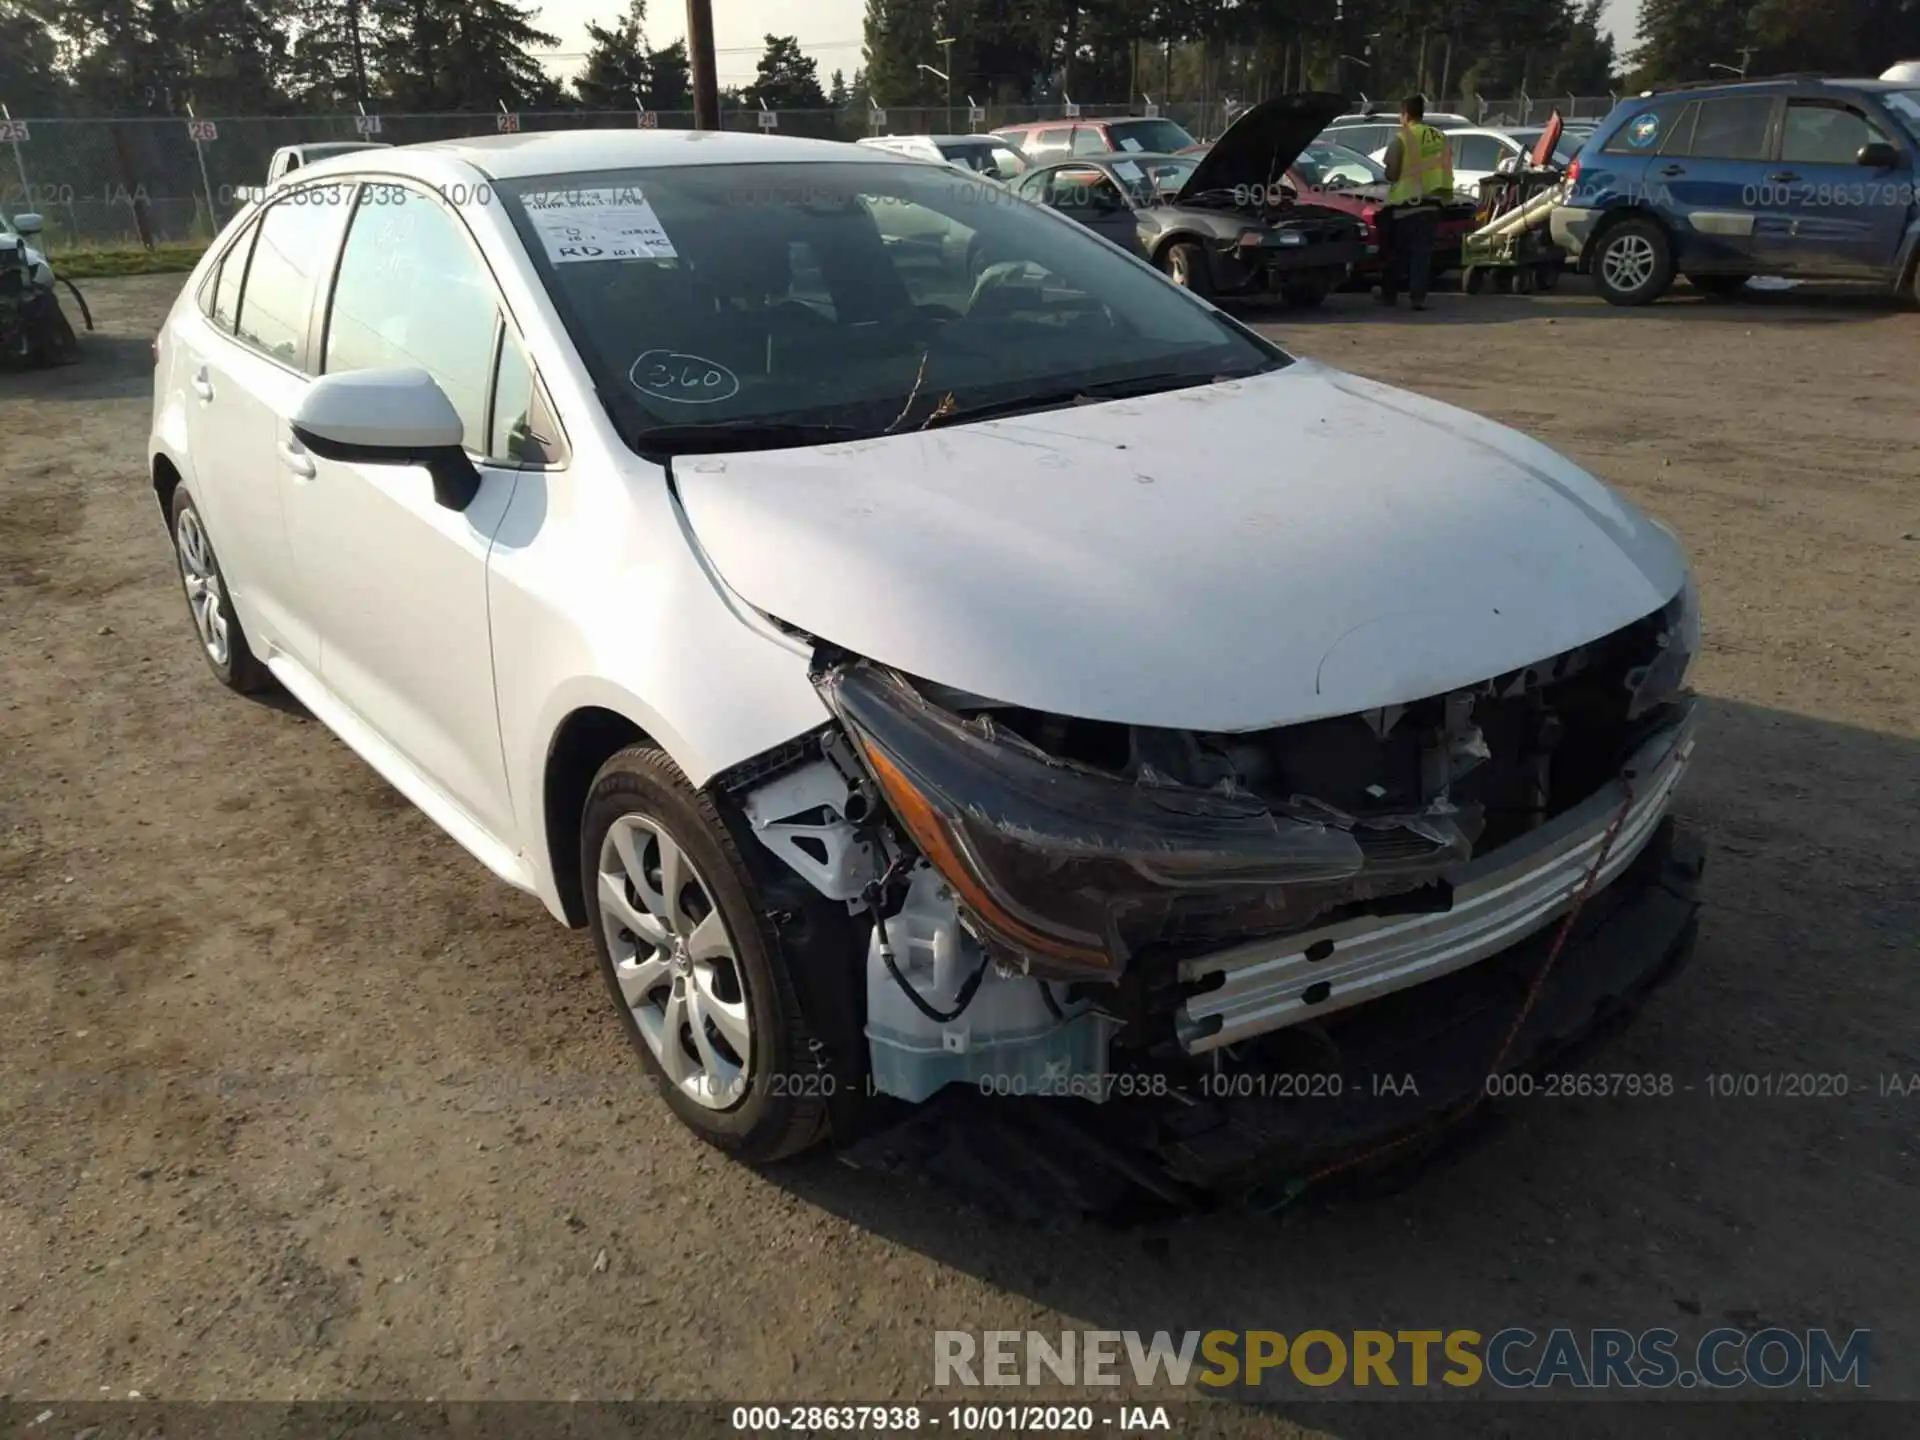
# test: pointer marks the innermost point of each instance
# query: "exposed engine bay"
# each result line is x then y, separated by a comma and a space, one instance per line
1053, 899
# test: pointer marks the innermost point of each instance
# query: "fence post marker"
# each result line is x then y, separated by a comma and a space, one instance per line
200, 150
19, 163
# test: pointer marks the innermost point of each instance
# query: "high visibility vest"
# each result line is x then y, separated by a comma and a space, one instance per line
1426, 166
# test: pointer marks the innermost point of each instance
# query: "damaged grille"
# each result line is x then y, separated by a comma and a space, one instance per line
1496, 760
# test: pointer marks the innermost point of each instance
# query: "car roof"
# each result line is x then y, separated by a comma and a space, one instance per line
979, 139
1065, 124
560, 152
1778, 82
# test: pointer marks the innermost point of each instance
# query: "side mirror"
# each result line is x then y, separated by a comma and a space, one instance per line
27, 224
390, 417
1880, 156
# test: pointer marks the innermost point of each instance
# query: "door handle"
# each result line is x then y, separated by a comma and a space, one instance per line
1673, 170
1783, 177
296, 460
202, 386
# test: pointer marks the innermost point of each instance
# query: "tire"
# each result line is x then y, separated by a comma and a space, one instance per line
747, 1090
1548, 276
1305, 296
1724, 287
1633, 262
1473, 279
1186, 265
210, 605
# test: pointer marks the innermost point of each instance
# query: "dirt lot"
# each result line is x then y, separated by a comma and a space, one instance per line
298, 1101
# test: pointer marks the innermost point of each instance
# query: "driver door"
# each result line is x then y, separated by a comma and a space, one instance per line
1091, 196
394, 583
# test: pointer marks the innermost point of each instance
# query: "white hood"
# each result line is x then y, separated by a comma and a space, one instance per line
1243, 555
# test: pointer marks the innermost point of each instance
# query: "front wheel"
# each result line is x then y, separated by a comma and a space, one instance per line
1633, 264
1186, 265
692, 965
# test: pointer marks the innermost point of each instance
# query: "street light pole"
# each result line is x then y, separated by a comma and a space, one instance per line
706, 83
946, 64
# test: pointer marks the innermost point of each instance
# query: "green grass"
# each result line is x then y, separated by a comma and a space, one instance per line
95, 264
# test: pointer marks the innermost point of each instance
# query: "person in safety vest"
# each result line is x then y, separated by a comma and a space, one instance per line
1420, 180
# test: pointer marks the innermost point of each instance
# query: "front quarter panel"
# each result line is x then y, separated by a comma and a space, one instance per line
599, 600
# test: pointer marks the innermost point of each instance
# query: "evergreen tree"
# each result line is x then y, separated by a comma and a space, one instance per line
671, 78
31, 80
618, 74
786, 78
462, 55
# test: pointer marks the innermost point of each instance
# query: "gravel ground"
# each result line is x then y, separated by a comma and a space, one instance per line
299, 1102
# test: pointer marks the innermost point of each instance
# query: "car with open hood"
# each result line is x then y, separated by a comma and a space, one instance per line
1219, 222
1333, 177
1043, 140
929, 669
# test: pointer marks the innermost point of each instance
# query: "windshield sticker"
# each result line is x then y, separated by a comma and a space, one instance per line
613, 223
1127, 142
1643, 130
1127, 169
682, 379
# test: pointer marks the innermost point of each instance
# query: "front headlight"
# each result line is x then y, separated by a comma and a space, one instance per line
1664, 678
1070, 867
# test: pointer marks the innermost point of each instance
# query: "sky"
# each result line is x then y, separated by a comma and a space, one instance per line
828, 30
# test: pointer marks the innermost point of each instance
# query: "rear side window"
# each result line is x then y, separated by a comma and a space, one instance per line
1821, 133
1090, 140
412, 291
1477, 152
1646, 132
223, 295
294, 242
1732, 128
1050, 139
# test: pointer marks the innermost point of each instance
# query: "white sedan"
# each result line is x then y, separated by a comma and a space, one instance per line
911, 674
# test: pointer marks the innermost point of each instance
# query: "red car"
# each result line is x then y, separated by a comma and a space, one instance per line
1043, 140
1345, 180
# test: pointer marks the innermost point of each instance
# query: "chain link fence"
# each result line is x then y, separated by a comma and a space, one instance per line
98, 182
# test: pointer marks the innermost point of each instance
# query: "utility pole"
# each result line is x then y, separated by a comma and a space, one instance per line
706, 84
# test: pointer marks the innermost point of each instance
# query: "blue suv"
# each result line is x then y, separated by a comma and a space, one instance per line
1808, 177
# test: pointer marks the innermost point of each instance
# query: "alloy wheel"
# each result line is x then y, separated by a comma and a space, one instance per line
1629, 262
202, 578
675, 962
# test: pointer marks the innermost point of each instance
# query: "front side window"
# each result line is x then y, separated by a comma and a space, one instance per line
681, 289
1090, 140
1085, 189
294, 238
1820, 133
1335, 167
1476, 152
411, 291
1732, 128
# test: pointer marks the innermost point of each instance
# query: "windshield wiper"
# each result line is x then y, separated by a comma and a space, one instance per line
1081, 395
722, 436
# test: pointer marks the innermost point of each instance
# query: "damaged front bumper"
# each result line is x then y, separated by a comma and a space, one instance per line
1497, 900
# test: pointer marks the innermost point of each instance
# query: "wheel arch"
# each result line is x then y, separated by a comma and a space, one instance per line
167, 479
584, 740
1615, 216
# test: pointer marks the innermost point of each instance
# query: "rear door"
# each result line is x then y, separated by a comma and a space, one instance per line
247, 375
1713, 179
1829, 214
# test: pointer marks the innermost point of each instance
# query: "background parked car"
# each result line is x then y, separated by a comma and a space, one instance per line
1802, 178
1341, 179
986, 155
1054, 139
1481, 151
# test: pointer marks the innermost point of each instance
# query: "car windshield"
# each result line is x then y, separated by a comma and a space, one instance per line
1151, 137
1335, 167
1906, 105
794, 300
